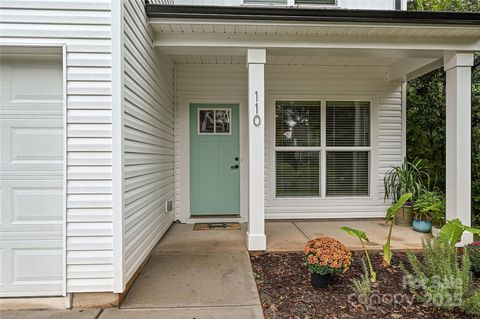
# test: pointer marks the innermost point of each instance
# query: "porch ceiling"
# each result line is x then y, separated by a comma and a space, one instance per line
302, 60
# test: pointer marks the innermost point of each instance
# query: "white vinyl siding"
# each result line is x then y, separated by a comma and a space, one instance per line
84, 27
307, 83
148, 139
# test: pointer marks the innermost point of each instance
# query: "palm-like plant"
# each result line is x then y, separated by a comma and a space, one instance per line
392, 211
362, 236
406, 178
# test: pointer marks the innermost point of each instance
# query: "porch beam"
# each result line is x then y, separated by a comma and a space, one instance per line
458, 139
408, 69
195, 41
256, 239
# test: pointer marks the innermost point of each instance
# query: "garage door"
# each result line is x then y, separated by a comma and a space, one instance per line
31, 202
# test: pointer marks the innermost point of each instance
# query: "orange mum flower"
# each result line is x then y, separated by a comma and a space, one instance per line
326, 255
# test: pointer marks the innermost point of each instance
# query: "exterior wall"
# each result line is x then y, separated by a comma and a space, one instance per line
84, 27
345, 4
148, 139
298, 82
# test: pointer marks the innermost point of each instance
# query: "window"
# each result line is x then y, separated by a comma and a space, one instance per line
303, 137
316, 2
214, 121
280, 2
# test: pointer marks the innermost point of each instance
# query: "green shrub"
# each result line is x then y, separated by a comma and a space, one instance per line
472, 304
474, 254
439, 279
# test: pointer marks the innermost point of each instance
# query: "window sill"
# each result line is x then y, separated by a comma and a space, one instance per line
331, 198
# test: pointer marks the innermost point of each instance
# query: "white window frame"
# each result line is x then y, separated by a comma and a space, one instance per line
322, 149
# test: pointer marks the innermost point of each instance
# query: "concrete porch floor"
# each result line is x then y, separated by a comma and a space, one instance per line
291, 235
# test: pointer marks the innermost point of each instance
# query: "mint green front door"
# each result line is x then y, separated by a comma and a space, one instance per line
214, 159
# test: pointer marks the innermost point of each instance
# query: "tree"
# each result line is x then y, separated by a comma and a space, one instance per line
426, 112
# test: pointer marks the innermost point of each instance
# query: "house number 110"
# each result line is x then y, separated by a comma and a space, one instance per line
256, 119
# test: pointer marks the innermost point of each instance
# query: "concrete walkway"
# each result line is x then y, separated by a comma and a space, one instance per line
194, 274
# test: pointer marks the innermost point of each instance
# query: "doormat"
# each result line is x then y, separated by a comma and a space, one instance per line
216, 226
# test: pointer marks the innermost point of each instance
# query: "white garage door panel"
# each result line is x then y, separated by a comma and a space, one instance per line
32, 144
35, 269
31, 205
31, 178
31, 86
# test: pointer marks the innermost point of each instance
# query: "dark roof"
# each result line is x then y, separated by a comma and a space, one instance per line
315, 15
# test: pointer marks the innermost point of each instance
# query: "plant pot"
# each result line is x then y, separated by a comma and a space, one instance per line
435, 231
404, 216
422, 226
320, 281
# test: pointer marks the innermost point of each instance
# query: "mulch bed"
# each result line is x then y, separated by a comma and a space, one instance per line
285, 291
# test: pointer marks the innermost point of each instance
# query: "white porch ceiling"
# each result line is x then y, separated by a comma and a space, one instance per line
287, 60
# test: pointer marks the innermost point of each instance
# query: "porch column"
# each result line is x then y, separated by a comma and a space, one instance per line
256, 239
458, 138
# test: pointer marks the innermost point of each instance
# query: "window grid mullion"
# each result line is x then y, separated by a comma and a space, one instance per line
323, 153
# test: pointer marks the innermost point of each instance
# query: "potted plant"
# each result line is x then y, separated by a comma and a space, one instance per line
324, 258
473, 250
428, 207
406, 178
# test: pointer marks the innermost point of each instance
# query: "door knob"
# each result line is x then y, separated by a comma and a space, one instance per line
234, 167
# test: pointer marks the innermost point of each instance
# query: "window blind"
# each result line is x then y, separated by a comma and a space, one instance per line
348, 123
347, 173
297, 123
297, 174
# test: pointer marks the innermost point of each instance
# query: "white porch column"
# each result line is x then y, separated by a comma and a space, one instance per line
256, 239
458, 141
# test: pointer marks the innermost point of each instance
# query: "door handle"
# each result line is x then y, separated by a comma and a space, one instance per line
234, 167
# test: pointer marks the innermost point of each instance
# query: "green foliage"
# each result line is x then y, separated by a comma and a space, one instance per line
444, 5
472, 304
392, 210
426, 112
453, 230
430, 206
439, 279
362, 286
406, 178
362, 236
474, 254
